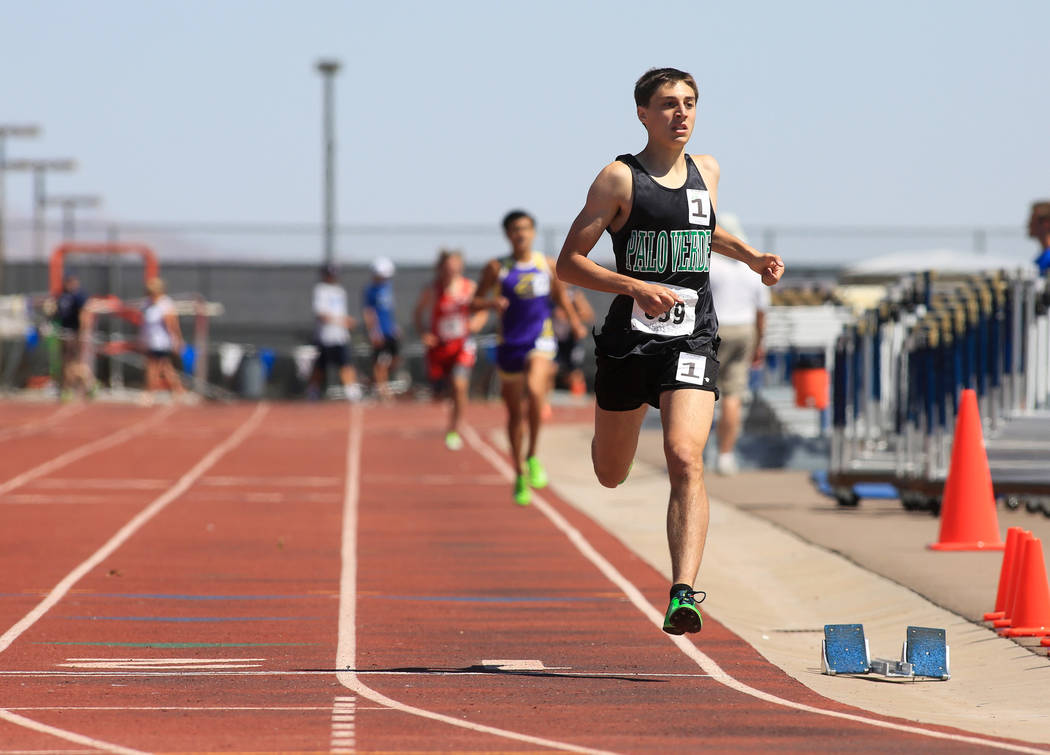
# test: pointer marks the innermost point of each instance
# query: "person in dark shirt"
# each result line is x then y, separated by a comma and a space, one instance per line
1039, 229
70, 317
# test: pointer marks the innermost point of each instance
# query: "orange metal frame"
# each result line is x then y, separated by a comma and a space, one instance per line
149, 260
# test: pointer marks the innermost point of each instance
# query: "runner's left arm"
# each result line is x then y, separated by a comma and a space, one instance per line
769, 266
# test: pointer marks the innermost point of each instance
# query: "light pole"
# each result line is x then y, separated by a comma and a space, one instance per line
6, 130
328, 68
40, 169
69, 204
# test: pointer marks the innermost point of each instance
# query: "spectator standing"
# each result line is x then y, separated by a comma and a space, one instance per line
70, 318
334, 324
569, 359
1039, 229
161, 339
381, 323
740, 300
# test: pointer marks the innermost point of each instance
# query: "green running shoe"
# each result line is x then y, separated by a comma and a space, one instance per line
682, 614
452, 441
522, 493
537, 474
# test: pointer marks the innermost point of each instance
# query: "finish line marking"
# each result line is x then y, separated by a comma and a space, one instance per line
704, 661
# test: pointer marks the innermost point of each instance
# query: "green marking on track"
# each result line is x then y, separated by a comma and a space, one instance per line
186, 644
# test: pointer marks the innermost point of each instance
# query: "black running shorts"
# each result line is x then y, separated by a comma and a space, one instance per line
621, 385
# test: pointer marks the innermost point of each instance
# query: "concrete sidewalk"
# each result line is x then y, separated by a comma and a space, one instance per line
782, 561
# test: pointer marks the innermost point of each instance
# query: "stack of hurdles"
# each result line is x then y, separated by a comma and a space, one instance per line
899, 371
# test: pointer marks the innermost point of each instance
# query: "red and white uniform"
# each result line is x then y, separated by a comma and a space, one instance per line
450, 323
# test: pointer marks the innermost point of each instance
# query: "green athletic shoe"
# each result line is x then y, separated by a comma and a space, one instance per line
537, 474
522, 493
682, 614
452, 441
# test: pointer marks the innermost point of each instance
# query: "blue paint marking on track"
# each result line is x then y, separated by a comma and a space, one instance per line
485, 598
191, 619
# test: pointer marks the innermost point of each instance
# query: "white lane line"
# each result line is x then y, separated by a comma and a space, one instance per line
705, 662
81, 451
59, 591
69, 736
37, 425
346, 653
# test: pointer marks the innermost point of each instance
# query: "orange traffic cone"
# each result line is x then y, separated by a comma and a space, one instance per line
1031, 610
968, 519
1006, 574
1015, 581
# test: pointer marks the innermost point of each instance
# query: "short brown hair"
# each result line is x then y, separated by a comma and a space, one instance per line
1041, 210
655, 78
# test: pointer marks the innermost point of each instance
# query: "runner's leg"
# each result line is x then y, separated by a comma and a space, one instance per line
686, 415
512, 388
460, 383
615, 442
537, 380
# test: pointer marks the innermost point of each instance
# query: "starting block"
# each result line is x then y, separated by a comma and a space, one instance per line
844, 650
927, 650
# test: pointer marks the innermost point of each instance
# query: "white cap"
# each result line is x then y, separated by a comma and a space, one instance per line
383, 267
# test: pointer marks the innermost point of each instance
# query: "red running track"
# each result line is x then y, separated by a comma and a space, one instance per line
202, 584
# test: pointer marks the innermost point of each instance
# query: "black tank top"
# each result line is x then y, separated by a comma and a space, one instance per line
666, 240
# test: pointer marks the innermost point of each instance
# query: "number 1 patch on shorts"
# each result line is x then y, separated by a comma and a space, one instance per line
692, 368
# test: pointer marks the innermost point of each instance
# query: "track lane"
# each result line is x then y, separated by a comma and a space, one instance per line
243, 569
223, 582
496, 581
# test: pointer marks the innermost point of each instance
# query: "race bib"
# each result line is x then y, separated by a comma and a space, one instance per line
677, 321
452, 328
692, 368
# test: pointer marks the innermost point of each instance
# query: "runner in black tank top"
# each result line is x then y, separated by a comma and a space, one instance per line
659, 341
667, 240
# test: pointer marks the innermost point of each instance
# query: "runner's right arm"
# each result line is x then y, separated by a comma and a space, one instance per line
608, 198
424, 303
489, 278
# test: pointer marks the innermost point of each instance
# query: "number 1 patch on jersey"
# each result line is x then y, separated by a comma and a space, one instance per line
692, 368
699, 206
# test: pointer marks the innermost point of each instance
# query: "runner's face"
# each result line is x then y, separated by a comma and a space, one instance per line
521, 234
671, 113
451, 269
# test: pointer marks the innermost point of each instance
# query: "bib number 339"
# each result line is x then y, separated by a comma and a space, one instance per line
679, 320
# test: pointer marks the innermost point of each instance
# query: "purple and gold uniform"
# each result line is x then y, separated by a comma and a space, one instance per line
525, 327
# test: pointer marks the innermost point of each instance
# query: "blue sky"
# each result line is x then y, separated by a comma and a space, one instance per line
819, 112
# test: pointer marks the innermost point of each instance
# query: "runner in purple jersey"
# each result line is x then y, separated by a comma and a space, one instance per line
527, 345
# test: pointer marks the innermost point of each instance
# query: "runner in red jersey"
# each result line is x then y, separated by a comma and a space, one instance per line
448, 338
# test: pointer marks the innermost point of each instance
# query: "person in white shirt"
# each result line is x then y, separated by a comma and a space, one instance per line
161, 339
740, 303
334, 324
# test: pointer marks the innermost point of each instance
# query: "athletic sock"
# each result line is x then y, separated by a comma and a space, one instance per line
679, 587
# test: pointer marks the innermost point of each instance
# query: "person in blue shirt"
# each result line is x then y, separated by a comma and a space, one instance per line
1039, 229
381, 322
